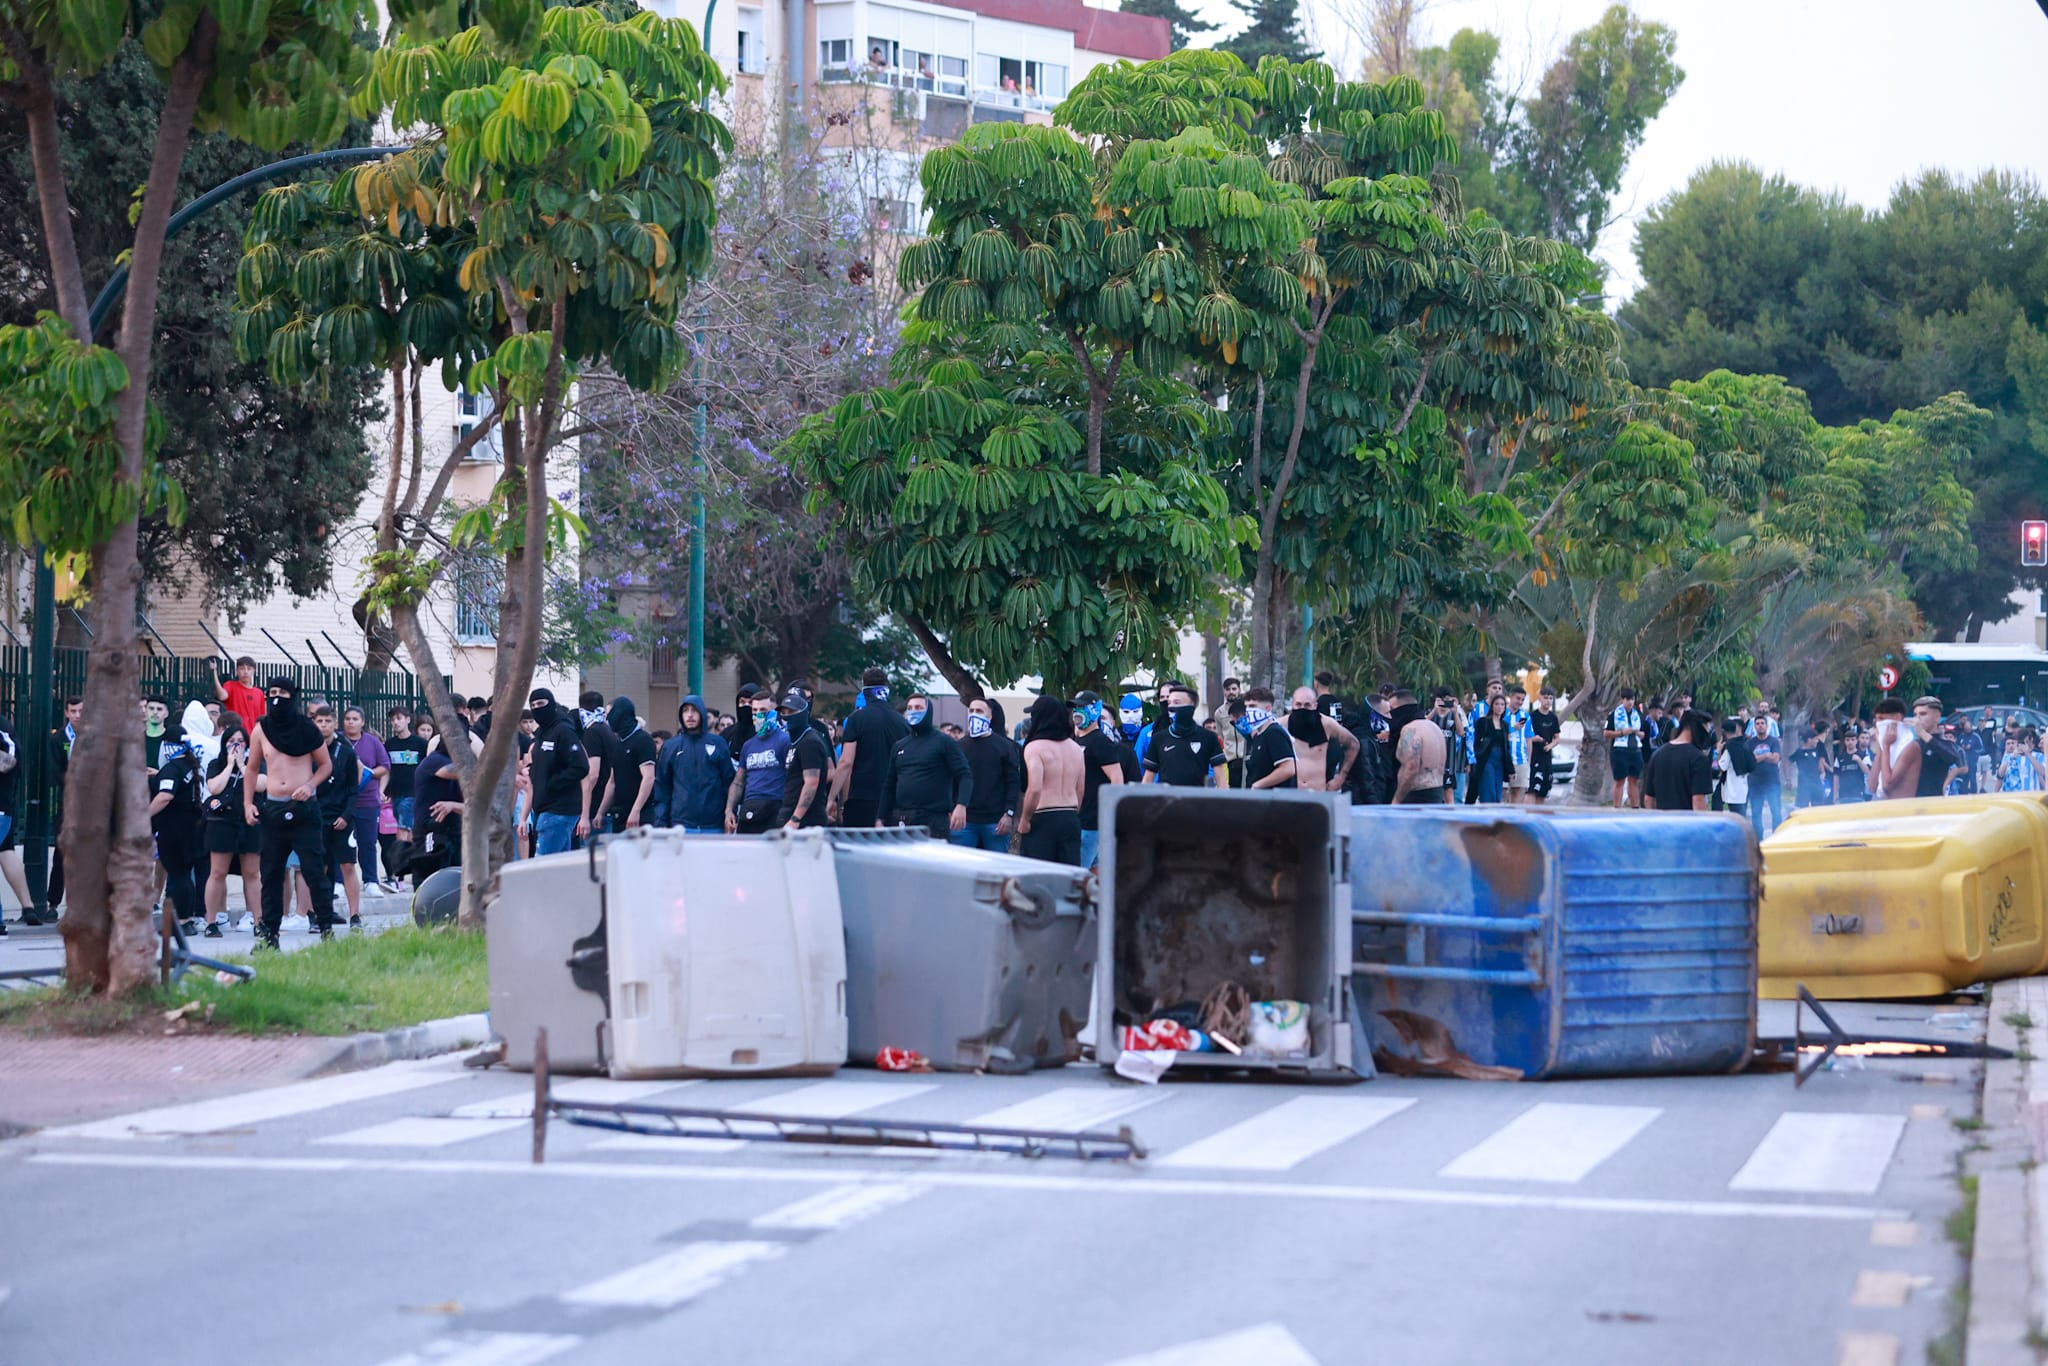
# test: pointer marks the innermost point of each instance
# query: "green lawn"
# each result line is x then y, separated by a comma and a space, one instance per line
353, 983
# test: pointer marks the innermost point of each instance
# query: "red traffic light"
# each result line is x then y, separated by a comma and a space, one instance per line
2034, 543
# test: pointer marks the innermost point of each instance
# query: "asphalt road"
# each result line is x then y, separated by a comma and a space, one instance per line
395, 1216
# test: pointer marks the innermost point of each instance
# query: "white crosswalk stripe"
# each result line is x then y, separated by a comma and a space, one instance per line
488, 1349
676, 1277
1553, 1142
1070, 1108
257, 1107
822, 1100
840, 1206
578, 1090
1288, 1134
1269, 1344
1822, 1154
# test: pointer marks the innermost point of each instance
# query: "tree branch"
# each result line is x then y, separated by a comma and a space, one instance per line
1415, 397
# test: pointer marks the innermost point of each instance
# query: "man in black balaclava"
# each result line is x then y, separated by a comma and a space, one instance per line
1183, 752
559, 767
632, 769
287, 749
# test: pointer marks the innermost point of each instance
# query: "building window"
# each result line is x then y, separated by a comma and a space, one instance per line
661, 662
835, 53
1041, 84
753, 56
478, 583
892, 215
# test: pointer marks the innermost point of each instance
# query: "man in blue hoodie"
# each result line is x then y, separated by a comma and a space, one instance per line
692, 774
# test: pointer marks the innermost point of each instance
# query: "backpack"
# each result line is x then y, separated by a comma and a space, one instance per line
1741, 758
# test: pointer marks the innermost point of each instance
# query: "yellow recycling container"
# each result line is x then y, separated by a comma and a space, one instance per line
1904, 898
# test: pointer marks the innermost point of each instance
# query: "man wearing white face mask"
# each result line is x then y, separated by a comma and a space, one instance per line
996, 765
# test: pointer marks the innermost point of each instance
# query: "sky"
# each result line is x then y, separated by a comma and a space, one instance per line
1850, 95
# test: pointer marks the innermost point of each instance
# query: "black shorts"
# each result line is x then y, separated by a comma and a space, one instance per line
231, 835
1626, 763
341, 846
8, 839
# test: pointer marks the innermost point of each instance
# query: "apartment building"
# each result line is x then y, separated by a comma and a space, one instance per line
882, 82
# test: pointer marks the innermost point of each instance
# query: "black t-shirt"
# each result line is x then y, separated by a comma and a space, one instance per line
1183, 760
1677, 774
1544, 726
226, 805
807, 753
178, 776
636, 749
1098, 752
1268, 748
1937, 757
605, 755
873, 730
405, 761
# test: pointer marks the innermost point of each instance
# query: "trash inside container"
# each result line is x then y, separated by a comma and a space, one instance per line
1206, 890
976, 960
546, 953
1496, 941
710, 955
1905, 898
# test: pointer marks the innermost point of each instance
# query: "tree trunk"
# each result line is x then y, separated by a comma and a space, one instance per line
108, 943
950, 669
1592, 784
486, 843
1212, 670
1265, 645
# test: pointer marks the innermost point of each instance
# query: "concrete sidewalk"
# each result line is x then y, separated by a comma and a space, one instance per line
2009, 1255
61, 1079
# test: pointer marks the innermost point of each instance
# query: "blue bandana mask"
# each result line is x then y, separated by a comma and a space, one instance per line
978, 726
1253, 718
1087, 716
915, 716
765, 723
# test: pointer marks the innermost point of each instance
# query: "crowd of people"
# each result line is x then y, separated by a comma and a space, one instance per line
309, 803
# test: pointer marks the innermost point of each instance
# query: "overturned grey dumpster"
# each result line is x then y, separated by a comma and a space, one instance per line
1205, 889
975, 960
656, 954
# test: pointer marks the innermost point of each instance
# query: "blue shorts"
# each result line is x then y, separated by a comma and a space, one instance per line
1627, 763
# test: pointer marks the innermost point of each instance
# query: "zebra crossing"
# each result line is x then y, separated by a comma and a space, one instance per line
1427, 1132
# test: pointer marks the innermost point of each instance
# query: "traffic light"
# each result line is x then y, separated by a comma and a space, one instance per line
2034, 543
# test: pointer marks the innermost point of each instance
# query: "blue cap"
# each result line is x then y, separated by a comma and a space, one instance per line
1130, 701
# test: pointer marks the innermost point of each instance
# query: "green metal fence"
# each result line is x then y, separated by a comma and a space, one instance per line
177, 680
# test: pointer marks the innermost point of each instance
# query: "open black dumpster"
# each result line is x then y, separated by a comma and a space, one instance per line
1206, 889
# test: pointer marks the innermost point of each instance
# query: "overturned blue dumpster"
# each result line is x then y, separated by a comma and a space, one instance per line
1495, 941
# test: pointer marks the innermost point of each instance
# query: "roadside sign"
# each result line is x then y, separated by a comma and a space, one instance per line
1887, 678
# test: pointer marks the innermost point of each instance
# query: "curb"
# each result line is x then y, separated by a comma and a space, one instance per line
401, 1045
2002, 1274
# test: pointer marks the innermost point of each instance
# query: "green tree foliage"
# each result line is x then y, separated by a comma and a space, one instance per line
1873, 314
268, 471
1184, 21
965, 493
1272, 29
547, 219
271, 75
1549, 164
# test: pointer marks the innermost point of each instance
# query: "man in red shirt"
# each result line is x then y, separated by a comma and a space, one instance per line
242, 697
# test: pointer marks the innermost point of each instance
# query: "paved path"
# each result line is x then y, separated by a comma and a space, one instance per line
399, 1220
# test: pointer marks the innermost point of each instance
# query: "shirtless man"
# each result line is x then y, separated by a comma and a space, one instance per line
288, 760
1420, 752
1311, 731
1897, 756
1049, 820
1920, 763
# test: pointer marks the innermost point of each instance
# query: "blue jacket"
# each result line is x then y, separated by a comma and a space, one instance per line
692, 775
